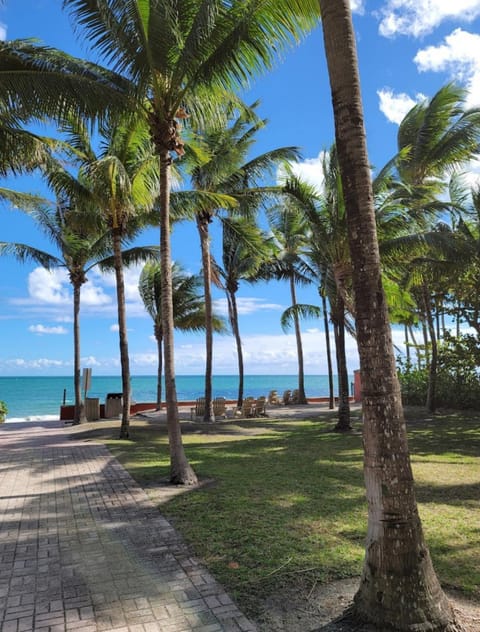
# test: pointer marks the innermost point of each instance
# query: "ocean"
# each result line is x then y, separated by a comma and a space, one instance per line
37, 398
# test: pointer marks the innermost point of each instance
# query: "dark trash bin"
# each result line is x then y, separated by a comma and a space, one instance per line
113, 404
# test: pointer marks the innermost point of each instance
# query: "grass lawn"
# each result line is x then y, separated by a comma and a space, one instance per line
286, 500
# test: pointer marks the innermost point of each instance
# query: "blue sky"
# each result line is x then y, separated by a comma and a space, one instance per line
407, 50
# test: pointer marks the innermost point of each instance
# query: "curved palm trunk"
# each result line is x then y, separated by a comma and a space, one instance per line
432, 367
343, 424
331, 395
158, 337
203, 221
298, 337
233, 317
79, 414
122, 332
181, 471
398, 588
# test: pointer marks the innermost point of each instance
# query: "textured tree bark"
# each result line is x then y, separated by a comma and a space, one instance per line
298, 337
343, 424
233, 317
399, 589
122, 333
331, 396
430, 403
203, 221
181, 472
79, 414
159, 370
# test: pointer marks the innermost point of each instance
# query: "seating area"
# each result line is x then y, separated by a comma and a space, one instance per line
219, 408
251, 406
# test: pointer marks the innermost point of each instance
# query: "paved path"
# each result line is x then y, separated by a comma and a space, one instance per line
83, 548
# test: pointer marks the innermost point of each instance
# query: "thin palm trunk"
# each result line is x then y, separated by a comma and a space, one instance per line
181, 471
122, 332
79, 414
202, 225
415, 345
326, 326
407, 344
398, 588
233, 317
158, 337
343, 423
432, 367
298, 337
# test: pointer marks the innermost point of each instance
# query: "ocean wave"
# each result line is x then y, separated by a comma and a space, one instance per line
9, 420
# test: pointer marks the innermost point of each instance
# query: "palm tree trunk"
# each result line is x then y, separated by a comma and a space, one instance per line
122, 332
415, 345
79, 414
398, 588
326, 326
298, 337
430, 403
181, 472
202, 225
343, 424
233, 316
159, 372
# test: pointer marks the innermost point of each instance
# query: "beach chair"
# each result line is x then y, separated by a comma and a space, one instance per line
273, 399
286, 397
259, 407
199, 409
295, 398
248, 407
220, 407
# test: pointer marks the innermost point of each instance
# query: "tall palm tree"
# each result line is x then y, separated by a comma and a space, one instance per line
291, 234
244, 249
222, 167
399, 588
122, 181
81, 247
181, 60
188, 306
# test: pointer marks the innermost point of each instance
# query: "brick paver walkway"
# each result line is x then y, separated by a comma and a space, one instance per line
83, 548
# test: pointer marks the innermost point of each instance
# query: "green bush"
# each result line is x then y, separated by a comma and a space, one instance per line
3, 410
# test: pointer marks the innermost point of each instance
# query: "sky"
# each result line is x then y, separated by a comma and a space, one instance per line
407, 50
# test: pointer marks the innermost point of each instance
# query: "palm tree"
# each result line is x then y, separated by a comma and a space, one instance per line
181, 61
244, 249
122, 181
81, 247
399, 588
188, 306
221, 166
291, 234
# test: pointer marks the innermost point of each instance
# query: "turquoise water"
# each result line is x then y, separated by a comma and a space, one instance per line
41, 397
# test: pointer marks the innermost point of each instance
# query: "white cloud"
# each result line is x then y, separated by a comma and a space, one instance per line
309, 170
114, 327
357, 6
92, 295
42, 329
40, 363
420, 17
458, 57
3, 32
49, 287
90, 361
396, 106
246, 305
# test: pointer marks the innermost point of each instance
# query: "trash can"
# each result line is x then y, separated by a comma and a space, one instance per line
113, 404
92, 408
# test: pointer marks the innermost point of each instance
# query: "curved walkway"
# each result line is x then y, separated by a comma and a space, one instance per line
83, 548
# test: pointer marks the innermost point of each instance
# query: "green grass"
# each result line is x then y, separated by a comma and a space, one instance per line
287, 503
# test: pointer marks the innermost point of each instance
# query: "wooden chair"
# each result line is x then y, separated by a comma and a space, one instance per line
220, 407
295, 398
286, 397
248, 407
273, 399
199, 409
259, 408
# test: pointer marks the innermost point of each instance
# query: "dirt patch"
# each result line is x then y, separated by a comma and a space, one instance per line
324, 608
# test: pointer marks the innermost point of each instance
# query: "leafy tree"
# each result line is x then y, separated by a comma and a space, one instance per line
81, 247
399, 588
188, 306
181, 61
221, 166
